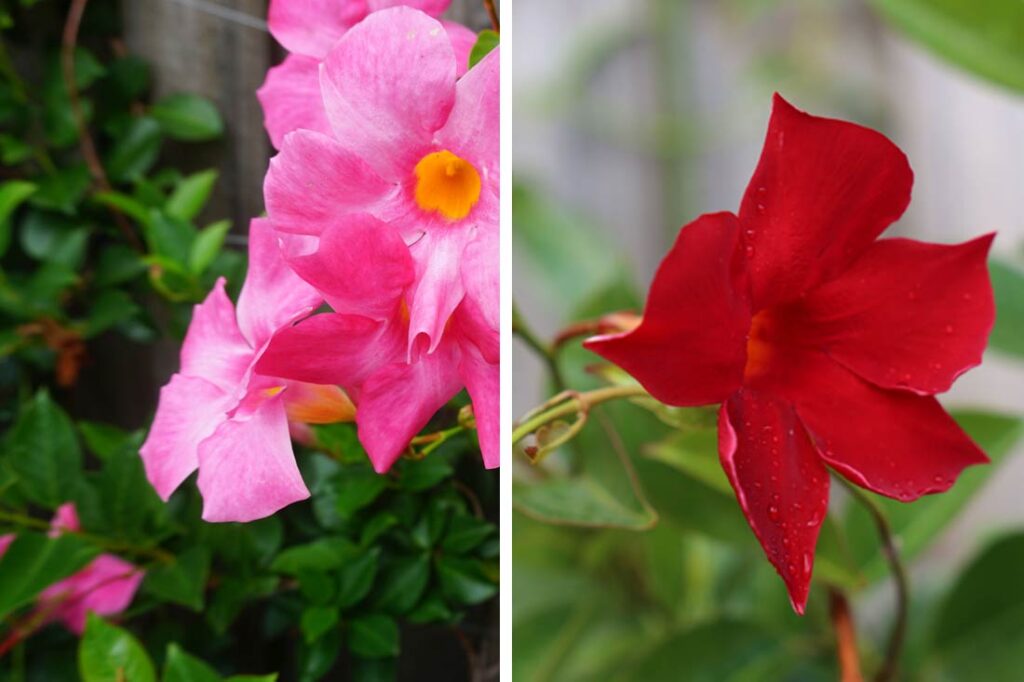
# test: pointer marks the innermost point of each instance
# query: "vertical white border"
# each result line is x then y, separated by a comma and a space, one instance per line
505, 503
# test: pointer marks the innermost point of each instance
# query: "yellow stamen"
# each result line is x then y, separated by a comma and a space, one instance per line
447, 185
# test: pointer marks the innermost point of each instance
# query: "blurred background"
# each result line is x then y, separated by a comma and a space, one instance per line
631, 118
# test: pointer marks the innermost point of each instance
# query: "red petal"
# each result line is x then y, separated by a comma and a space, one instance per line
822, 192
906, 314
891, 442
780, 481
690, 348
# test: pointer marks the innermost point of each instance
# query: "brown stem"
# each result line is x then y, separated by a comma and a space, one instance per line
846, 637
492, 12
69, 42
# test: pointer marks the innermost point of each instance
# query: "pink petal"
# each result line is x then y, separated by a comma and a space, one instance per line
388, 85
482, 380
291, 99
906, 314
332, 349
480, 276
214, 348
105, 587
190, 409
272, 295
439, 288
463, 40
247, 469
472, 129
362, 267
398, 400
434, 8
312, 27
314, 181
780, 482
5, 542
65, 520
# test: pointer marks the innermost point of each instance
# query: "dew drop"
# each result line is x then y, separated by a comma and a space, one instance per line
807, 562
750, 250
760, 208
773, 513
949, 329
762, 190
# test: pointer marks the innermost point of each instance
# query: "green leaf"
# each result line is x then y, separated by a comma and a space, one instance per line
1008, 285
182, 581
374, 670
207, 245
33, 562
134, 152
486, 41
317, 621
979, 631
118, 264
357, 488
423, 474
576, 501
12, 194
402, 584
128, 205
326, 554
181, 667
695, 453
191, 194
87, 68
110, 308
63, 190
104, 440
43, 452
317, 659
373, 636
356, 578
127, 500
108, 653
171, 238
986, 38
465, 581
53, 239
188, 117
918, 523
433, 609
465, 533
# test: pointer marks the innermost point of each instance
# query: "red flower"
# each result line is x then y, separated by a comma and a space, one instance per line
823, 345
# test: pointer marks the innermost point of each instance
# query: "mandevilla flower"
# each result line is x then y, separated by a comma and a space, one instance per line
411, 146
106, 586
823, 345
364, 268
308, 29
221, 417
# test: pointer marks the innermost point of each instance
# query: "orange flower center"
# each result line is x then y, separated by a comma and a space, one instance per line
446, 184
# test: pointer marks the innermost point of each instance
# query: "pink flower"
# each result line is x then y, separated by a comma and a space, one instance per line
365, 272
410, 146
231, 423
308, 29
105, 586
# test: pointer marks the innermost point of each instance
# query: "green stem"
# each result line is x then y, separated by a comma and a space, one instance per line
546, 351
102, 542
581, 402
894, 649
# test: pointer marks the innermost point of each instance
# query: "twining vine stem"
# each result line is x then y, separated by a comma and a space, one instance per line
492, 12
846, 637
573, 404
546, 351
155, 553
69, 42
894, 649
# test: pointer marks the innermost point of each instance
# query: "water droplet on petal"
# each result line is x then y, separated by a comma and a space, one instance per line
949, 329
807, 562
760, 208
773, 513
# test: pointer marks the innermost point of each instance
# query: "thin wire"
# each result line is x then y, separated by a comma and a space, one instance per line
226, 13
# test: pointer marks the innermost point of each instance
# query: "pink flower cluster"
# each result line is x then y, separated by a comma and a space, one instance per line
383, 204
106, 586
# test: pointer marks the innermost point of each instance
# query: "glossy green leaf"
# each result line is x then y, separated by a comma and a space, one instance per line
43, 452
465, 581
355, 579
402, 584
191, 194
109, 309
188, 117
423, 474
356, 489
207, 245
12, 194
134, 152
986, 38
108, 653
317, 621
486, 41
465, 533
325, 554
373, 636
579, 502
181, 667
182, 581
63, 190
1008, 285
35, 561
